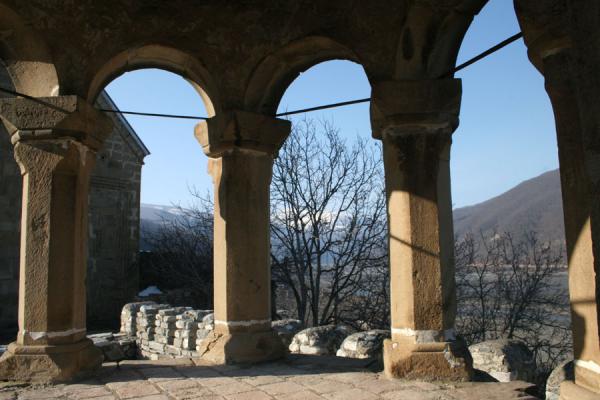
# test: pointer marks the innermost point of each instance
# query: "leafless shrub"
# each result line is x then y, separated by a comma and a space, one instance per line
328, 227
514, 289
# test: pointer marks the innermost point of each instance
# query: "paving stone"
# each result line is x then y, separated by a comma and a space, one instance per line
109, 397
42, 394
262, 380
351, 394
177, 385
378, 386
161, 374
89, 393
351, 377
323, 386
193, 394
8, 395
148, 380
304, 395
411, 394
136, 389
253, 395
154, 397
232, 388
121, 376
216, 381
282, 388
198, 372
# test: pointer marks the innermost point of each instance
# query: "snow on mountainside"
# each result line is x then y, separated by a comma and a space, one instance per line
534, 204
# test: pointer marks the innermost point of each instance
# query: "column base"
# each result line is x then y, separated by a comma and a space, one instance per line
571, 391
241, 347
50, 364
443, 361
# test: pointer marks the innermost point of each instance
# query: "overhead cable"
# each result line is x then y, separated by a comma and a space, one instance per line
448, 74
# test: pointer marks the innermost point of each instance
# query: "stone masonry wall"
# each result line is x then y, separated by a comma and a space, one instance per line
114, 220
112, 276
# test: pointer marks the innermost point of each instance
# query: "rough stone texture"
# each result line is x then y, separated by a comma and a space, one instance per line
505, 360
113, 220
128, 317
65, 49
286, 329
290, 380
115, 346
367, 344
321, 340
564, 372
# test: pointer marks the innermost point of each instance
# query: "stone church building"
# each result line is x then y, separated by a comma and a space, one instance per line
114, 201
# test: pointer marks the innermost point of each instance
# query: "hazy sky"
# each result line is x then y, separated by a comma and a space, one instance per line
506, 134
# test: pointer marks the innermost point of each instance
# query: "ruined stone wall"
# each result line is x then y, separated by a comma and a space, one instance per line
112, 276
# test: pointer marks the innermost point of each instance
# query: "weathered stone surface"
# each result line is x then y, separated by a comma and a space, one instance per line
115, 347
286, 329
367, 344
128, 316
113, 223
322, 340
171, 379
563, 372
505, 360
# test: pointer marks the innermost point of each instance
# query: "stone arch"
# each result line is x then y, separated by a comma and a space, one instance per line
161, 57
26, 58
278, 70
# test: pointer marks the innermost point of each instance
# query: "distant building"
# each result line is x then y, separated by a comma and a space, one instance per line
114, 215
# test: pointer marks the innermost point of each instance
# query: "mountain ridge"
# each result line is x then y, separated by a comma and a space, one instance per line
533, 205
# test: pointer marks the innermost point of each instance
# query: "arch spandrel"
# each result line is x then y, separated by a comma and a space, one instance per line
26, 57
430, 40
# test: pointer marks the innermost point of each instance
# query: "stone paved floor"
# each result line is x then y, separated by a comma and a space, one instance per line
294, 379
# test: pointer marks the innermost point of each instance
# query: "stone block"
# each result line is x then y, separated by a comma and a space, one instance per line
505, 360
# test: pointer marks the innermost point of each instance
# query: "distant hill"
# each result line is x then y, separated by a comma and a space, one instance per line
535, 204
532, 205
151, 218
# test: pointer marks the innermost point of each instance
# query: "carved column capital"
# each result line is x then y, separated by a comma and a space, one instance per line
242, 130
544, 24
71, 117
400, 108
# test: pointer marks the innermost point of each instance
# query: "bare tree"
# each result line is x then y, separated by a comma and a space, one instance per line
328, 224
182, 250
509, 288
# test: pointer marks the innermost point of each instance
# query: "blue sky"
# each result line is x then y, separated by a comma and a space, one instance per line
506, 134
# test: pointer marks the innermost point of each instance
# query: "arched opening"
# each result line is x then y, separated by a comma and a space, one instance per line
508, 218
150, 212
328, 218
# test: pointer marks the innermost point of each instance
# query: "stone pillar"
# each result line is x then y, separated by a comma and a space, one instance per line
55, 151
241, 147
415, 121
562, 39
581, 203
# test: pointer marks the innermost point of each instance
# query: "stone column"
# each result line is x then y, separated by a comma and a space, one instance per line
581, 203
55, 151
562, 43
415, 121
241, 147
